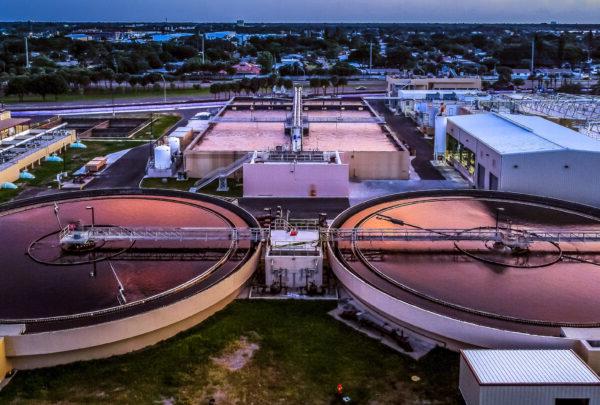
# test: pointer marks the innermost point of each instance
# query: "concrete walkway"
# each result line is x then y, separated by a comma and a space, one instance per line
366, 190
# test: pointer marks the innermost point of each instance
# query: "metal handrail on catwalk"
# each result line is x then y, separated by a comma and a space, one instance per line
82, 234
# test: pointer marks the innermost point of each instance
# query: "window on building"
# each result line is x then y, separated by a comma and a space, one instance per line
572, 401
452, 149
467, 160
459, 153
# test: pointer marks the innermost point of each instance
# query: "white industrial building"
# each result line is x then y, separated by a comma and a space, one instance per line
524, 154
527, 377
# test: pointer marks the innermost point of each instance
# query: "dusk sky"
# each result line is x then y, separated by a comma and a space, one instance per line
564, 11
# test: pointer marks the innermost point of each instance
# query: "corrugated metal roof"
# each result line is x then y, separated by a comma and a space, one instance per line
513, 133
529, 367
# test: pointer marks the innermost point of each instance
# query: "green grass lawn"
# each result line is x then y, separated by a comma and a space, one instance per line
45, 174
74, 159
303, 354
105, 94
160, 125
235, 189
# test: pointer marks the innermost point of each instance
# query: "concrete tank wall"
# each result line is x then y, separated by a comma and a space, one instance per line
5, 364
125, 335
443, 327
100, 340
378, 165
199, 163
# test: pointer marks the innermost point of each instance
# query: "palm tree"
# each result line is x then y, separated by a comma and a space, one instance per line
335, 81
342, 81
315, 84
325, 85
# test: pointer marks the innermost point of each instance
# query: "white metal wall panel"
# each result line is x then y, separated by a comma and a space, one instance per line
468, 385
568, 175
536, 395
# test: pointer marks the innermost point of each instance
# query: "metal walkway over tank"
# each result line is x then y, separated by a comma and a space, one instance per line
81, 235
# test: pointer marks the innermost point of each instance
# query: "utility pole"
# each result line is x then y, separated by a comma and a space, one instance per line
532, 55
370, 56
27, 66
164, 88
203, 61
112, 90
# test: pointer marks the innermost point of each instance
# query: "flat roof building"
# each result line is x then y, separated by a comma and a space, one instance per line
10, 126
524, 154
531, 377
366, 147
433, 83
403, 91
28, 149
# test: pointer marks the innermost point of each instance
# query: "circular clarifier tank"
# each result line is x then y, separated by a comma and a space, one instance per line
530, 281
49, 287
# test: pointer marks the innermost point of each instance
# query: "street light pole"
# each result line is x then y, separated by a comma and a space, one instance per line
498, 211
93, 215
27, 65
164, 88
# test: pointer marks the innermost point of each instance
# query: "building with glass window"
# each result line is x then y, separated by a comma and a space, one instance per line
524, 154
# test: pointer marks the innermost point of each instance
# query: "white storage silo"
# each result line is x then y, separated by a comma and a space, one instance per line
162, 157
174, 145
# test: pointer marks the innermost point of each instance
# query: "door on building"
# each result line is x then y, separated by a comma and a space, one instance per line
493, 182
480, 176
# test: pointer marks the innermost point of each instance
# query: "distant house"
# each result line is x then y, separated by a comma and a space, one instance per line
169, 37
291, 59
225, 35
79, 37
246, 68
521, 74
562, 72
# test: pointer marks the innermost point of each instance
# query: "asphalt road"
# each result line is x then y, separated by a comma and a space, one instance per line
407, 131
128, 171
300, 208
123, 109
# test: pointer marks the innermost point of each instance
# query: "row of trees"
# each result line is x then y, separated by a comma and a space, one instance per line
318, 85
44, 85
78, 80
255, 85
250, 86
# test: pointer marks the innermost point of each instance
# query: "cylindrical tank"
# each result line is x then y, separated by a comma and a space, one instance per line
162, 157
409, 282
174, 145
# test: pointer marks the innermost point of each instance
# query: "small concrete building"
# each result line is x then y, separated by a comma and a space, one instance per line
432, 83
527, 377
305, 174
10, 126
524, 154
294, 258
